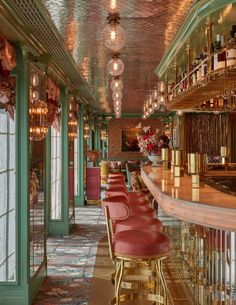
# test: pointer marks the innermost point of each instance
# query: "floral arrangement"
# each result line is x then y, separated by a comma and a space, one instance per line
93, 155
150, 143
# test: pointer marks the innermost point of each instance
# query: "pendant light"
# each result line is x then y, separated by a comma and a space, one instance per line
116, 84
115, 66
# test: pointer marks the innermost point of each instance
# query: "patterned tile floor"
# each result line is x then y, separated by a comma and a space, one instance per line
71, 260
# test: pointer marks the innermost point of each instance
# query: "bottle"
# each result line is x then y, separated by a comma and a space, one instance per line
221, 102
231, 52
216, 48
212, 103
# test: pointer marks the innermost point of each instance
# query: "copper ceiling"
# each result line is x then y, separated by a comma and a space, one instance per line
150, 26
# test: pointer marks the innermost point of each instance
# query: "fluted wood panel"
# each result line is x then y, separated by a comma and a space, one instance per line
206, 132
233, 136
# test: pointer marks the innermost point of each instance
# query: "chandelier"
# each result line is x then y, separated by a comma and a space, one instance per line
73, 119
38, 109
38, 125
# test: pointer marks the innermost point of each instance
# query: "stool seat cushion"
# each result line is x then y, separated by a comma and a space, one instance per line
140, 243
138, 222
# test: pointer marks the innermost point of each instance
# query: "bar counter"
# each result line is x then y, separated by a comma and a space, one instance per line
205, 206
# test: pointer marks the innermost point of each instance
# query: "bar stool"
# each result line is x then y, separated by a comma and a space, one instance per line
136, 209
149, 247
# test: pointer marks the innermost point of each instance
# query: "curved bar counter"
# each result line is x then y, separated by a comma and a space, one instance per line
202, 229
205, 206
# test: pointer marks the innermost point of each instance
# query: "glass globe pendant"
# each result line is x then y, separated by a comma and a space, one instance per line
115, 66
161, 100
113, 6
117, 103
117, 95
116, 84
113, 36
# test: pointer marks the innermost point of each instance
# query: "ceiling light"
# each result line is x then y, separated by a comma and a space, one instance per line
115, 66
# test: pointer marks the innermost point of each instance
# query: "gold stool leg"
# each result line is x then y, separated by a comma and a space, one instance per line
162, 281
118, 281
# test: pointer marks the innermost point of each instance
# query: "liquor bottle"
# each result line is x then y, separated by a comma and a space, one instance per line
221, 102
231, 52
216, 101
211, 103
216, 48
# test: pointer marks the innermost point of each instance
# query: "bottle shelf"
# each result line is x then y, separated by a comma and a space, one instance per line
213, 84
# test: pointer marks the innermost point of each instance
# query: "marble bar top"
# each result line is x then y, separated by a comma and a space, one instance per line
206, 206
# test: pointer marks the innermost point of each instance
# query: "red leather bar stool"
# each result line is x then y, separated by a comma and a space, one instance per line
115, 175
132, 221
136, 209
148, 247
120, 178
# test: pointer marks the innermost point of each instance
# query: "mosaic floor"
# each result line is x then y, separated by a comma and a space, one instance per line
71, 260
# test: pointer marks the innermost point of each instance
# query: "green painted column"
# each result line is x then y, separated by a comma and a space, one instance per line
97, 137
59, 226
90, 141
65, 161
79, 200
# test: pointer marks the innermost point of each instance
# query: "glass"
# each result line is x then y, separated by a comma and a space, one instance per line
37, 187
37, 205
71, 180
7, 198
55, 174
76, 172
204, 260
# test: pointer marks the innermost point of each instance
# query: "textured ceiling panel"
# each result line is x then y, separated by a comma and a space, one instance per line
150, 27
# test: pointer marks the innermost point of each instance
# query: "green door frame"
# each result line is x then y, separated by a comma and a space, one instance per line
60, 226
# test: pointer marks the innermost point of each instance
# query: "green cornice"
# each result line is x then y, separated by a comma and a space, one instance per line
139, 115
200, 10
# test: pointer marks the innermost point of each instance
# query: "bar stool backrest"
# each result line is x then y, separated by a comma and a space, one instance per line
115, 208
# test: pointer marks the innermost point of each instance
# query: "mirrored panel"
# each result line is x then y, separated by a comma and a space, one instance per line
7, 195
76, 172
55, 173
38, 129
